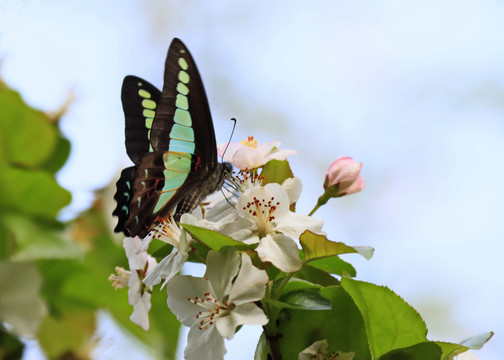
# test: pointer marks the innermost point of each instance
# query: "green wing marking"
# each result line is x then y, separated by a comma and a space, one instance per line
177, 159
149, 107
178, 167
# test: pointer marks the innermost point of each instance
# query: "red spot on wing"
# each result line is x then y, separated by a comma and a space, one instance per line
198, 161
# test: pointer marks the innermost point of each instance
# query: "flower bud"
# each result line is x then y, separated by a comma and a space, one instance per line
343, 177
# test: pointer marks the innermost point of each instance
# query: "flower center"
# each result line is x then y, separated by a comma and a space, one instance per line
246, 179
167, 231
262, 211
212, 307
250, 142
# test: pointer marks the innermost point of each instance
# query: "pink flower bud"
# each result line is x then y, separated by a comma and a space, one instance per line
343, 177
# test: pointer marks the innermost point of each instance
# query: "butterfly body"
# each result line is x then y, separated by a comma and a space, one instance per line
171, 140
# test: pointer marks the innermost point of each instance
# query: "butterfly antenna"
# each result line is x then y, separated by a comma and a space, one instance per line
230, 137
227, 199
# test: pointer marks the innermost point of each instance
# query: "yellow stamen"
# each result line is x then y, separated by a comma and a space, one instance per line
250, 142
120, 280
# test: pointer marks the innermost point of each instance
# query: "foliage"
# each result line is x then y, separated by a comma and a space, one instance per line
53, 275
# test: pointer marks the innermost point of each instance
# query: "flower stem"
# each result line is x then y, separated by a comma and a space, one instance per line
314, 209
273, 345
282, 285
321, 201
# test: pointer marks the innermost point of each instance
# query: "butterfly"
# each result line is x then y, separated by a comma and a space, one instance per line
171, 140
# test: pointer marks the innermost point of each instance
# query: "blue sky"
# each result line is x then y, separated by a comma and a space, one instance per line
414, 90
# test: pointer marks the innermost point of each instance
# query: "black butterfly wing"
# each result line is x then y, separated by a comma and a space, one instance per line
140, 100
183, 94
123, 196
183, 140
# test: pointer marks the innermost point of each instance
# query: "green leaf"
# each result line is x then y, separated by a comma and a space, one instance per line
7, 242
422, 351
11, 348
162, 252
68, 335
474, 343
334, 265
306, 299
276, 171
298, 284
26, 135
318, 246
33, 192
342, 326
477, 342
450, 349
316, 276
390, 322
36, 239
59, 155
57, 274
214, 240
262, 350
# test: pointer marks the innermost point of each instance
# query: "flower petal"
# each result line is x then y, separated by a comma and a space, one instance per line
318, 347
277, 192
134, 288
355, 186
250, 284
167, 268
181, 288
295, 224
222, 267
268, 146
205, 344
248, 158
278, 154
281, 251
134, 251
343, 169
230, 149
240, 229
248, 313
293, 187
140, 315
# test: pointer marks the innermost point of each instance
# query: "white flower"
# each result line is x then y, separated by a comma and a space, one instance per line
319, 351
468, 355
138, 294
263, 217
248, 155
214, 306
169, 232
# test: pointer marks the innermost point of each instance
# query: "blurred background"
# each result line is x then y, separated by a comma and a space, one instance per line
414, 90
